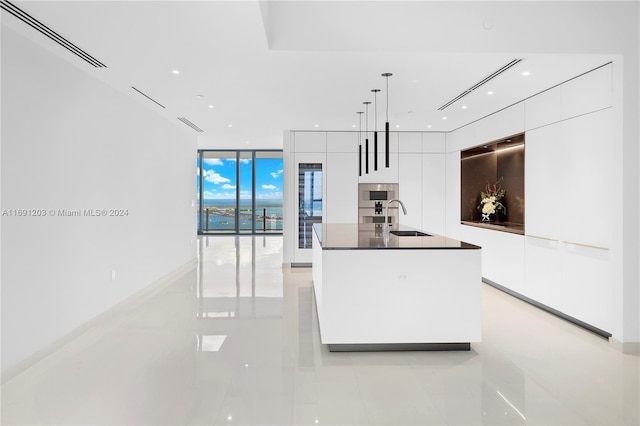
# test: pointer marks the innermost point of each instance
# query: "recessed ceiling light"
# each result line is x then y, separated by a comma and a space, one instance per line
464, 107
353, 125
444, 118
397, 125
229, 125
526, 73
175, 72
429, 126
210, 106
490, 93
315, 125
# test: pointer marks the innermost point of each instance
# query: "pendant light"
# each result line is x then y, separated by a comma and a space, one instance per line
360, 143
375, 129
386, 75
366, 139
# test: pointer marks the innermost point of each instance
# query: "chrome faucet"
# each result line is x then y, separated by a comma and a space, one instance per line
386, 214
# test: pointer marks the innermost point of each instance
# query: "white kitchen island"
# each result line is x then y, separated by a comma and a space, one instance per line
396, 293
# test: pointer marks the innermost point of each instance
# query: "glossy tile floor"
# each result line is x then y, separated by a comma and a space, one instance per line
236, 342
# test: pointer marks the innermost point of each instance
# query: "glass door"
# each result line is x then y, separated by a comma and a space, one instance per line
239, 191
268, 191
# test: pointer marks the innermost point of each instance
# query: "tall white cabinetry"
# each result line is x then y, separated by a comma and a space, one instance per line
564, 260
342, 178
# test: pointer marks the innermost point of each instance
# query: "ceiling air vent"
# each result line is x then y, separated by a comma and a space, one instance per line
190, 124
34, 23
148, 97
481, 83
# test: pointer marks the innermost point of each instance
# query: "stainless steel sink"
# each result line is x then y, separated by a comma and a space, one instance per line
409, 234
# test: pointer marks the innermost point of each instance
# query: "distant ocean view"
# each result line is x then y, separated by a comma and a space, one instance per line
222, 214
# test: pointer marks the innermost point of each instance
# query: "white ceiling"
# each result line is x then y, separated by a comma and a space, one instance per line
270, 66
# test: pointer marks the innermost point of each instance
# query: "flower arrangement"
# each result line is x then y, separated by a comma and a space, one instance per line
490, 200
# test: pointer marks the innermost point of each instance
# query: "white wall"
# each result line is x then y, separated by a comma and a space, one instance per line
71, 142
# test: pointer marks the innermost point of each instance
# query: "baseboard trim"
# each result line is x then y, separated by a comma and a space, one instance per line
11, 372
549, 309
397, 347
627, 348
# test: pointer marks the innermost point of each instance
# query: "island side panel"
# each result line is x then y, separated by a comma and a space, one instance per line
401, 296
316, 275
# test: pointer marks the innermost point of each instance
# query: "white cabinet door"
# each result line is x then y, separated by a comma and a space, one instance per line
587, 179
544, 177
342, 142
543, 271
587, 291
507, 122
569, 170
433, 142
434, 193
410, 190
342, 188
452, 196
409, 142
310, 141
543, 109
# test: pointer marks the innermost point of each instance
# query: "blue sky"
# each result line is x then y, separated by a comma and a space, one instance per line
220, 178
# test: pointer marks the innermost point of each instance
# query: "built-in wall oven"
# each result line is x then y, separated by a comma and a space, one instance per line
372, 200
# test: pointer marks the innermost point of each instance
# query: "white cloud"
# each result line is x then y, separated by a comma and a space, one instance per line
212, 161
208, 195
269, 187
228, 186
277, 174
214, 177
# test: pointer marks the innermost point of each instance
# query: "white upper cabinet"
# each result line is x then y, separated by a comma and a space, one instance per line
587, 93
543, 109
342, 142
433, 142
410, 142
461, 138
310, 141
507, 122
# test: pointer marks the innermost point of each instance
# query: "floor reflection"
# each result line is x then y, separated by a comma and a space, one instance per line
235, 341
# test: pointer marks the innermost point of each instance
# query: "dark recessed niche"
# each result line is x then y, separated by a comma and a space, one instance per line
498, 161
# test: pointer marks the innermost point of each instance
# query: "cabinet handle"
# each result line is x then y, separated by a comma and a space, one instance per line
541, 238
586, 245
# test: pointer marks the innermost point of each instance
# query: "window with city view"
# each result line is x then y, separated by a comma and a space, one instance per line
239, 191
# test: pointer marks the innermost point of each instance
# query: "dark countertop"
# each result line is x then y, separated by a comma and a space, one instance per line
354, 236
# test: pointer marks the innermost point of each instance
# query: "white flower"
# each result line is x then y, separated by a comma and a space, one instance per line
489, 208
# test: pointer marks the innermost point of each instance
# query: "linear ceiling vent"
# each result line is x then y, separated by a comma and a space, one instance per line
34, 23
190, 124
481, 83
148, 97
